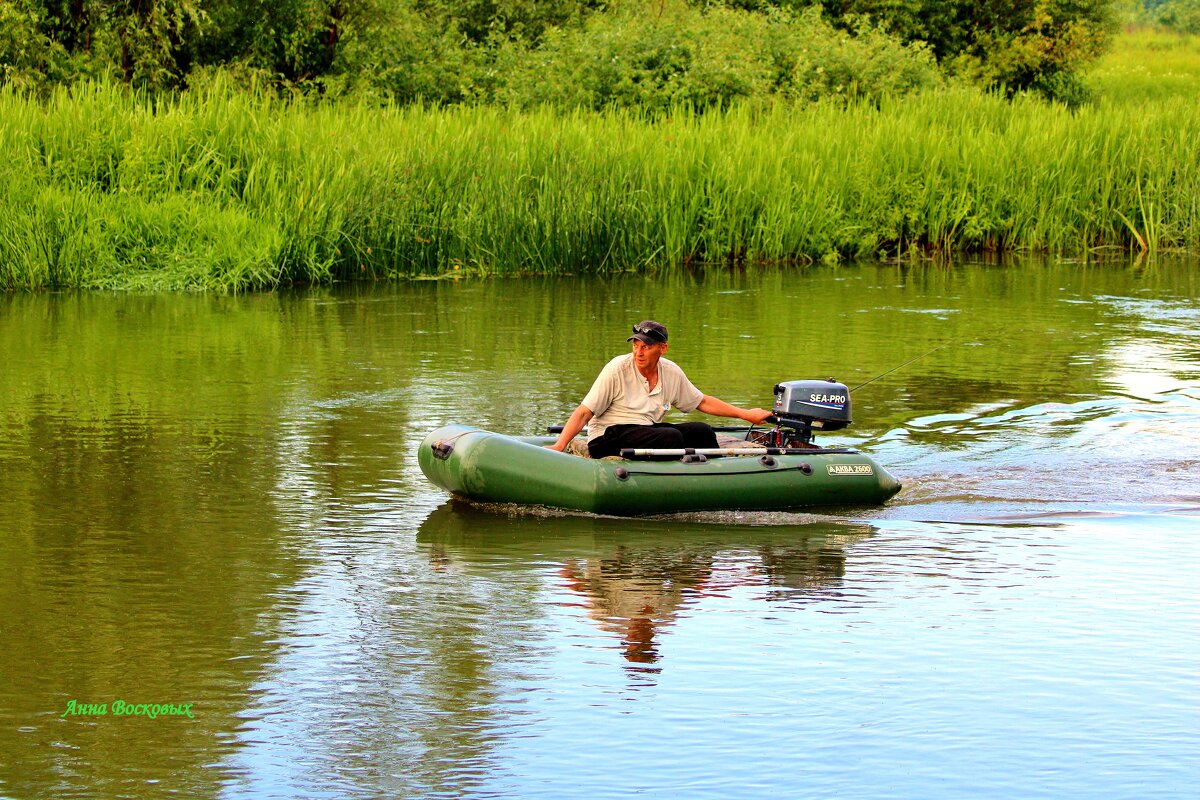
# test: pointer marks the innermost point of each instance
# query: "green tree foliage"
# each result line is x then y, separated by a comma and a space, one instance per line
143, 42
592, 53
401, 54
148, 37
295, 41
1016, 45
482, 20
156, 44
1178, 15
678, 55
28, 57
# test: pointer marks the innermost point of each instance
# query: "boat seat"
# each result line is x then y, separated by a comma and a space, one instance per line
578, 446
733, 442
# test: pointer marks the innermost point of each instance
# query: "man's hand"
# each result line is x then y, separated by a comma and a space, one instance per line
719, 408
757, 415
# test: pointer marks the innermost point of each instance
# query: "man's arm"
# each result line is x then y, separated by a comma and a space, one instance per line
579, 417
719, 408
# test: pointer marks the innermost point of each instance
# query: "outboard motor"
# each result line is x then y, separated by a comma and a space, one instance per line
804, 406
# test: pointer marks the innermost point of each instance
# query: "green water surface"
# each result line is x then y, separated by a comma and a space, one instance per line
213, 501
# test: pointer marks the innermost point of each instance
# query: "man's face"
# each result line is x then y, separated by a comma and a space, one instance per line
647, 355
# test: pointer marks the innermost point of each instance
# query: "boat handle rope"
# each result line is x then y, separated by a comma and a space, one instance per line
442, 448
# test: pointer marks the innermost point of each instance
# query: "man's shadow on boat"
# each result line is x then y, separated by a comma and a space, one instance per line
637, 577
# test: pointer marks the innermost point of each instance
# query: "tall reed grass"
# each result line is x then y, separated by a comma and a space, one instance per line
225, 188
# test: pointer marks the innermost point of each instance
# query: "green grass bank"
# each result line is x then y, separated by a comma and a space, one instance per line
1146, 66
228, 189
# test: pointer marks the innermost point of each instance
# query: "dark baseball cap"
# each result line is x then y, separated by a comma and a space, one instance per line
649, 332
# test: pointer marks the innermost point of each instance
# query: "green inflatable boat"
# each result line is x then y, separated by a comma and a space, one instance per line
755, 470
491, 467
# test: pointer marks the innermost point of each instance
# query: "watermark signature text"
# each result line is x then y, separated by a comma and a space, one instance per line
119, 708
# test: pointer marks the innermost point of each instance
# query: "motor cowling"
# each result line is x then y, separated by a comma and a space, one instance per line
817, 405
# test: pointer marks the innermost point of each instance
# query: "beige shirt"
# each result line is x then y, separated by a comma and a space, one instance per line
621, 396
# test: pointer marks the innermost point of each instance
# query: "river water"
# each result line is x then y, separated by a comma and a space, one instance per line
212, 504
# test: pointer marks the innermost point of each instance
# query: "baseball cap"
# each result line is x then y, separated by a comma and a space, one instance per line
649, 332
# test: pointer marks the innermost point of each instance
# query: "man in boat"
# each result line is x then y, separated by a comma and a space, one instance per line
633, 392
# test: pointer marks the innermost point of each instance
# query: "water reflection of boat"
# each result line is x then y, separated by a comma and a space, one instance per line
635, 577
491, 467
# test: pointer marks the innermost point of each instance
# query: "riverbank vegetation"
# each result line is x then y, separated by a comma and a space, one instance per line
225, 188
864, 146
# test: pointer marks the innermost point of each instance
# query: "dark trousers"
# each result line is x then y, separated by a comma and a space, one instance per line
658, 435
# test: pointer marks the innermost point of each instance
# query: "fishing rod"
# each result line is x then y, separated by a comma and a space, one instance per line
805, 407
902, 366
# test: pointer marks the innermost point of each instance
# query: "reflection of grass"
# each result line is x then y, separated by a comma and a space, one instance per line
227, 189
1147, 65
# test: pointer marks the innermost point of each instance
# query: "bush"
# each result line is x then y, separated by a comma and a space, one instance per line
706, 59
1014, 45
818, 61
28, 58
1180, 15
406, 58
